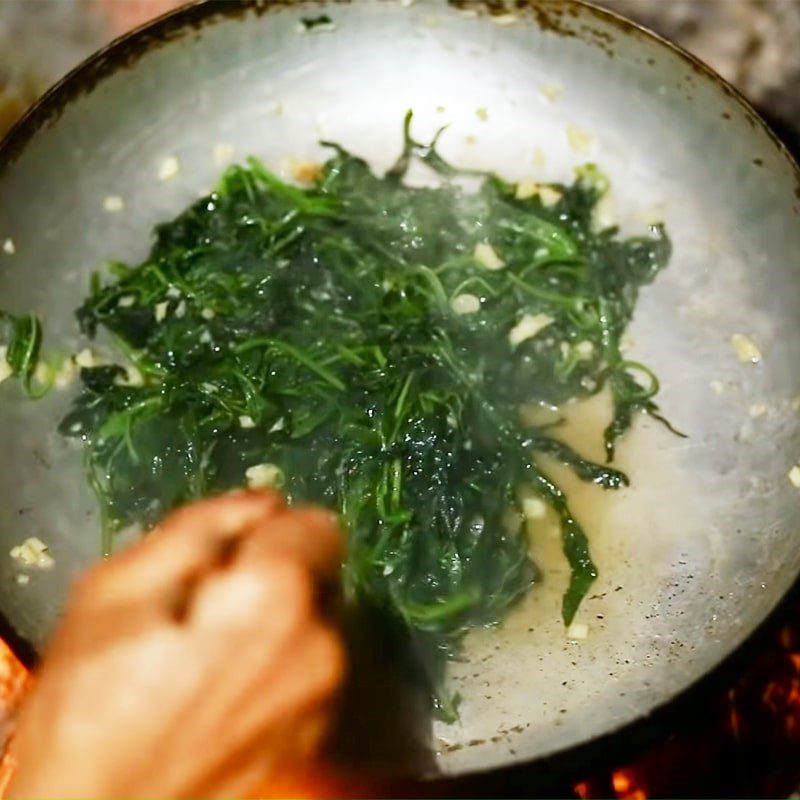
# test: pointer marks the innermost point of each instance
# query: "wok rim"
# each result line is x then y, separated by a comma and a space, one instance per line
550, 772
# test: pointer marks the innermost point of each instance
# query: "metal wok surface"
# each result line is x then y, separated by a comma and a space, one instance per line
702, 546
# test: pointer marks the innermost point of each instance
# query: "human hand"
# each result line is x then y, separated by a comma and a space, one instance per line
196, 663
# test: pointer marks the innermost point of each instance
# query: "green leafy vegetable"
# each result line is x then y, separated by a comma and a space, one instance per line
21, 338
322, 21
374, 342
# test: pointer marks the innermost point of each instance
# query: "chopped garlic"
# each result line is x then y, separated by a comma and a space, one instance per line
9, 248
529, 326
161, 310
505, 19
577, 631
113, 204
465, 304
579, 140
584, 349
205, 336
173, 292
5, 368
482, 114
746, 349
33, 552
222, 153
605, 213
246, 421
127, 301
551, 91
85, 359
207, 313
43, 374
169, 168
547, 194
278, 426
180, 309
305, 171
534, 508
794, 476
23, 579
264, 476
440, 109
757, 409
486, 256
526, 189
133, 377
65, 374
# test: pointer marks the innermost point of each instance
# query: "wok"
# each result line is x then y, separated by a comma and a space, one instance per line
703, 545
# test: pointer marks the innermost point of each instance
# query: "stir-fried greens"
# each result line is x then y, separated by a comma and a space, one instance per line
369, 346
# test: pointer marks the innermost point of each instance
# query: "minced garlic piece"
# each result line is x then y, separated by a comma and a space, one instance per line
526, 189
547, 194
169, 168
482, 114
127, 301
465, 304
9, 248
529, 326
113, 204
43, 374
33, 552
579, 140
161, 310
5, 368
757, 409
23, 579
305, 171
65, 374
207, 313
132, 377
794, 476
584, 349
746, 349
246, 421
551, 91
85, 358
264, 476
534, 508
578, 631
486, 256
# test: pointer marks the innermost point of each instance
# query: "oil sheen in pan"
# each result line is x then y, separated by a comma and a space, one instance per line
532, 678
